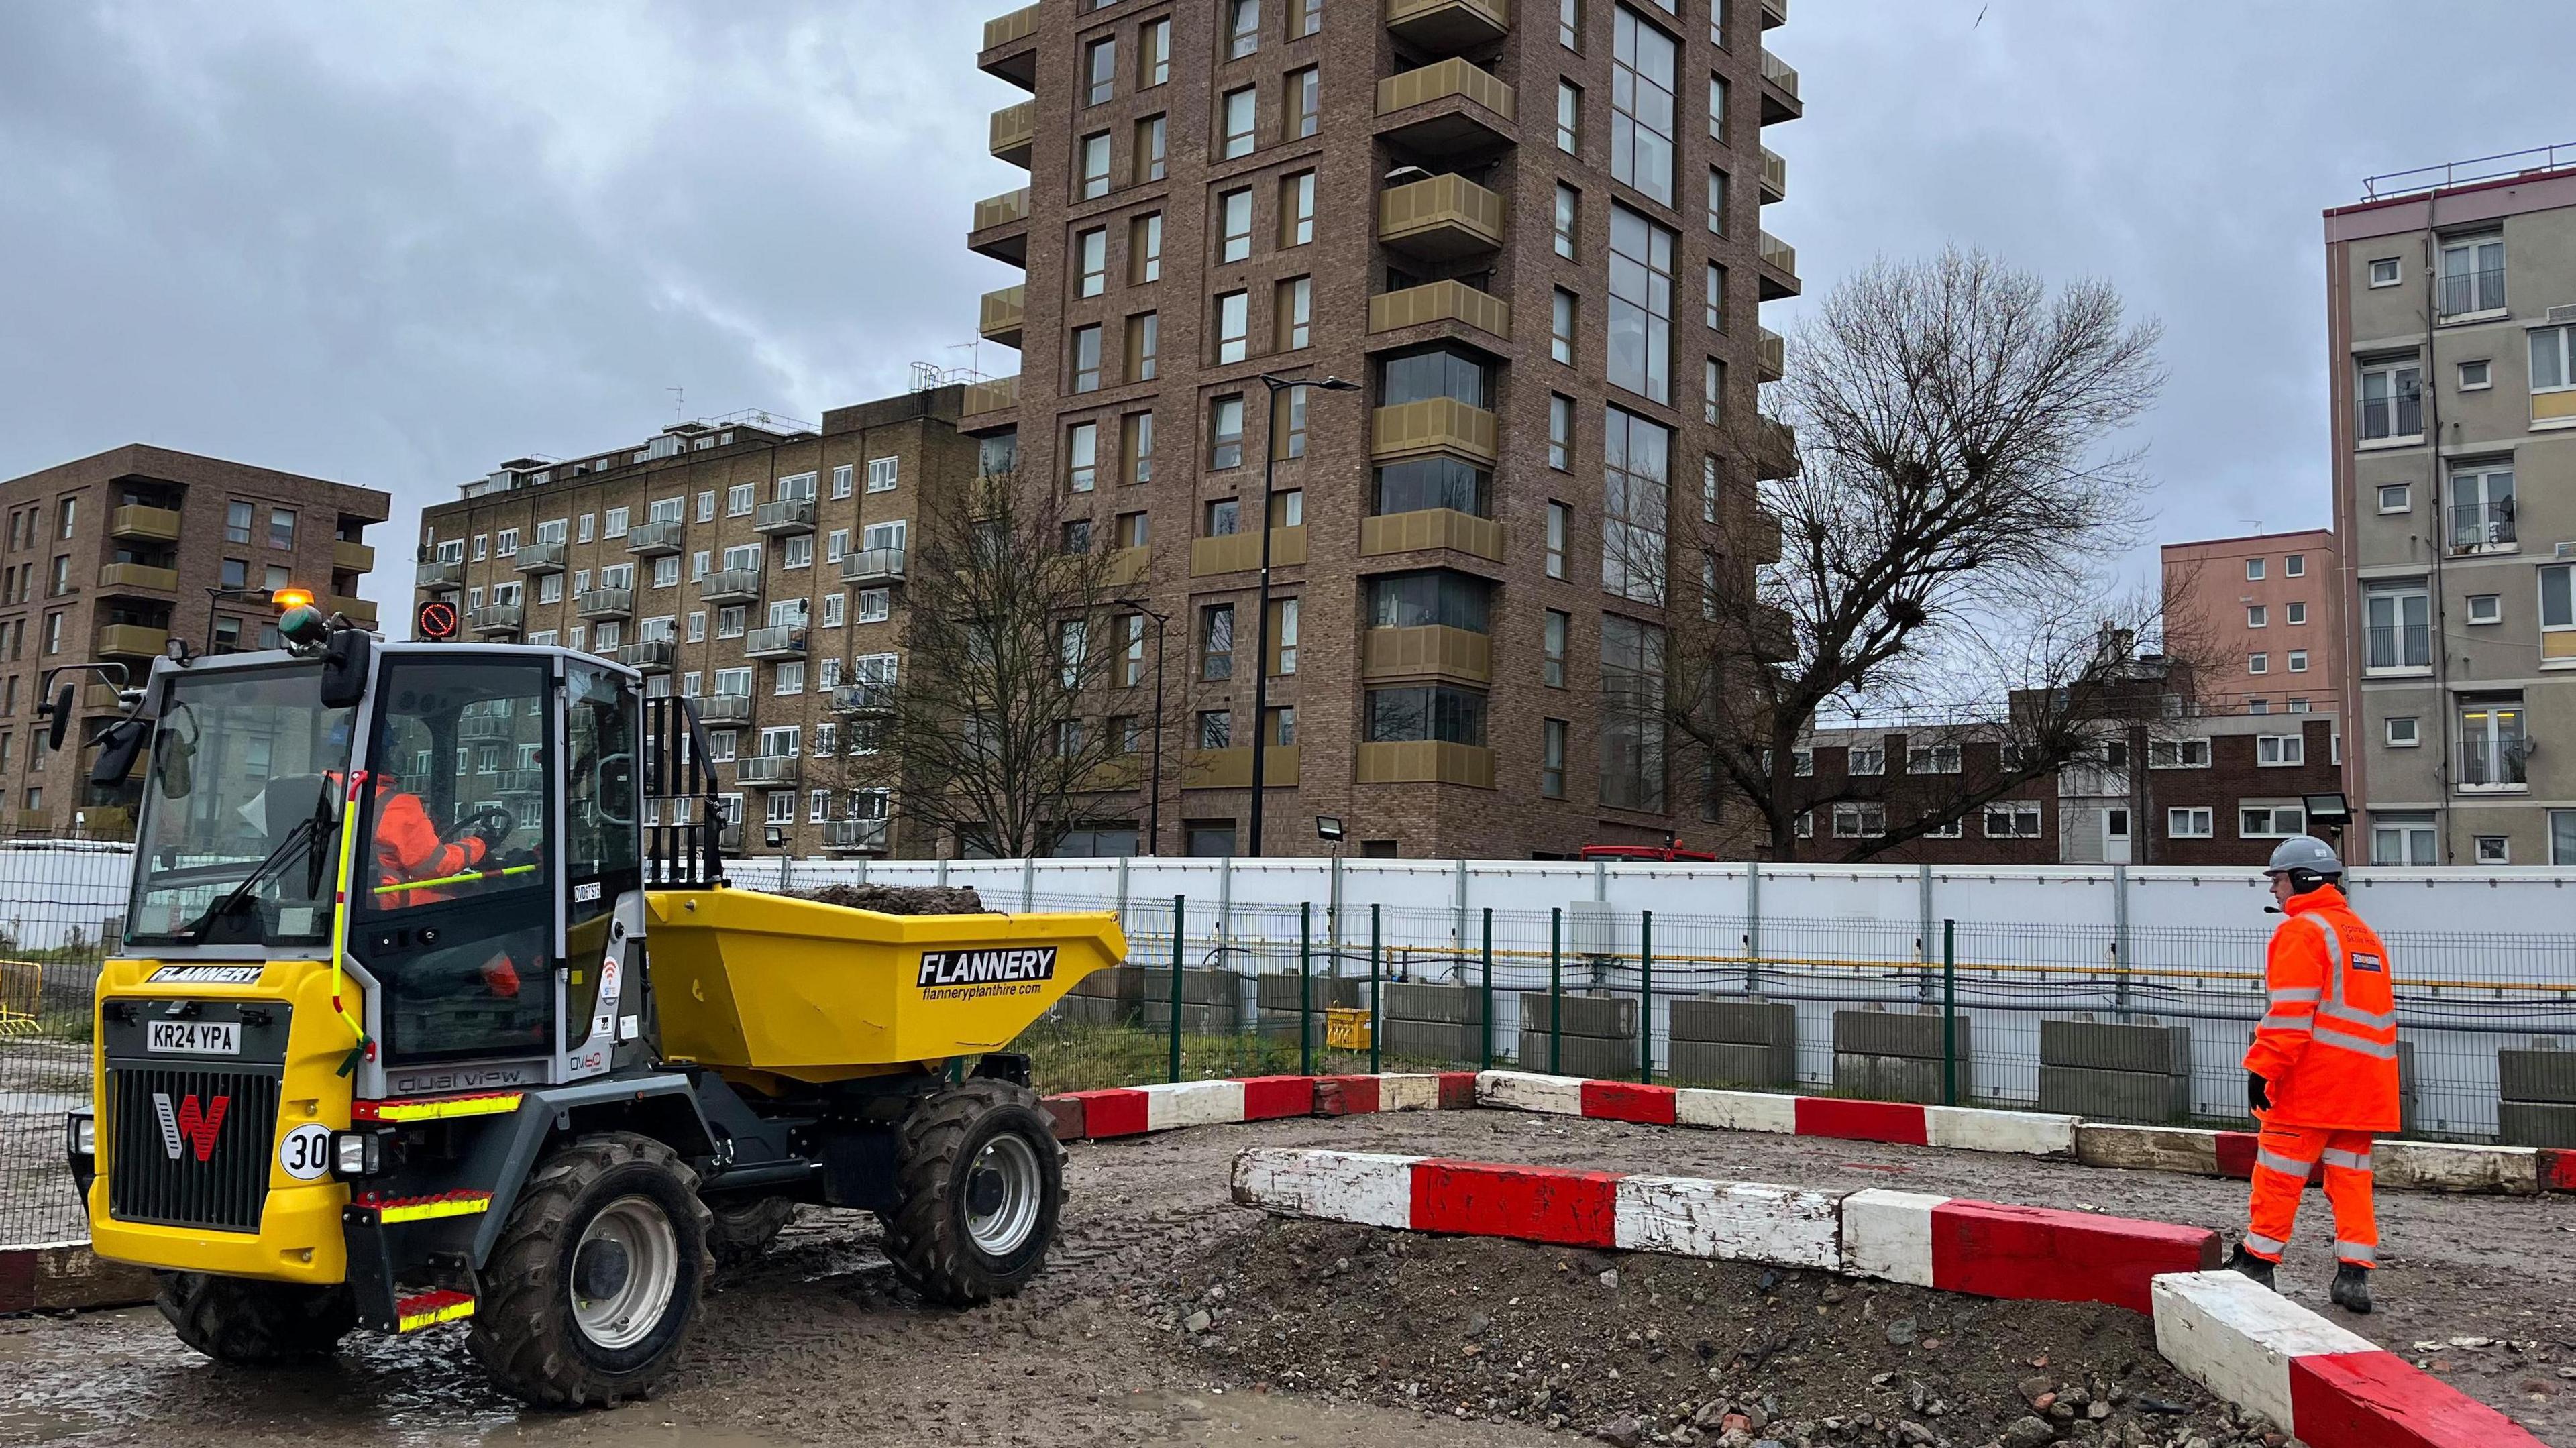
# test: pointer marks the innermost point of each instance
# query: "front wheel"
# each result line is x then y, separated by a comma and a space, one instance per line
253, 1323
597, 1277
979, 1187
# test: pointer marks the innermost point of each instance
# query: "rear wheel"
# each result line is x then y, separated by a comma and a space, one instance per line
980, 1185
743, 1228
254, 1323
597, 1276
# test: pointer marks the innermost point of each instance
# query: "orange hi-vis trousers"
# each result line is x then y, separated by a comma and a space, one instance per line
2283, 1158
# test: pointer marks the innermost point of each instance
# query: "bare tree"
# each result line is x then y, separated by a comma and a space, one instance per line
1941, 532
991, 731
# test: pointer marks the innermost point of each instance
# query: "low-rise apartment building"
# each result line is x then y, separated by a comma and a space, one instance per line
2261, 618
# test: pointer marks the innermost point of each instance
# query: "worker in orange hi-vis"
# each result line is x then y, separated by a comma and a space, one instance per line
2322, 1073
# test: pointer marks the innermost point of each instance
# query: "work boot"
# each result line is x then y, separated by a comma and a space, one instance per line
2351, 1287
2261, 1270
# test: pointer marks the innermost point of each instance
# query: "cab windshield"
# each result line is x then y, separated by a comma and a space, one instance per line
239, 833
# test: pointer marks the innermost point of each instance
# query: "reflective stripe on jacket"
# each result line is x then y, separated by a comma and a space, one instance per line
2327, 1043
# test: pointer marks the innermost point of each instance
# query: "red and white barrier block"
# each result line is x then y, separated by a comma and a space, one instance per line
2319, 1382
2418, 1166
2030, 1254
1135, 1110
1962, 1128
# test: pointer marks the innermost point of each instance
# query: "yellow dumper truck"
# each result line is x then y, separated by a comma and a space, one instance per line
433, 1005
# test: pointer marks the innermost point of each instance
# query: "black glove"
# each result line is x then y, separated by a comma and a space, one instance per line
2258, 1092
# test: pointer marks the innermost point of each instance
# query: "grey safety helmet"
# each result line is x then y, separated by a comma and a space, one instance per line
2307, 860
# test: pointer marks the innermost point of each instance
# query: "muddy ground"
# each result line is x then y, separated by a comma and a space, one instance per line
814, 1345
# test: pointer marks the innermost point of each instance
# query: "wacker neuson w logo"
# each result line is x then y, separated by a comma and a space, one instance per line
957, 974
196, 1126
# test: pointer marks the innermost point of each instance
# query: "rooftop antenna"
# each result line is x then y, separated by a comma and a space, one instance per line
679, 399
2257, 522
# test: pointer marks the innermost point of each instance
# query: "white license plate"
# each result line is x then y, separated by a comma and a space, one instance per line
196, 1038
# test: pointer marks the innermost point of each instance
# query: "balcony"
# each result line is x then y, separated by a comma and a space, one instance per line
1429, 651
1440, 219
1005, 311
724, 709
1762, 538
139, 640
1779, 91
866, 836
768, 771
2495, 766
131, 577
653, 656
348, 557
863, 698
1775, 450
1130, 565
2485, 527
1435, 424
1771, 355
1232, 768
539, 558
1447, 25
357, 610
1774, 12
1241, 552
872, 567
1445, 301
1773, 634
1430, 528
1015, 133
1001, 229
784, 518
1779, 270
1429, 761
494, 619
779, 641
654, 540
520, 782
486, 728
1011, 48
605, 603
730, 585
1775, 177
1001, 394
438, 576
1458, 109
137, 520
2397, 648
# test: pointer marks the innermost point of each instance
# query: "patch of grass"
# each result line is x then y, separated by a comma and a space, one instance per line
1067, 1056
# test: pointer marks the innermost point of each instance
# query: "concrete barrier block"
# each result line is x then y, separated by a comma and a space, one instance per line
2536, 1076
1117, 982
1735, 1022
1083, 1010
1888, 1033
2108, 1046
1198, 987
2149, 1099
1897, 1078
2536, 1123
1429, 1040
1277, 991
1611, 1058
1729, 1063
1602, 1016
1448, 1005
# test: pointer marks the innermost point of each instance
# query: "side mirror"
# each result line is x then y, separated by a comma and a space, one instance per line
61, 723
344, 668
116, 750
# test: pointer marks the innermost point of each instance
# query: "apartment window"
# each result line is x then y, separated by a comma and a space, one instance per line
1713, 391
1716, 298
1717, 183
1552, 661
1242, 28
1641, 305
1233, 326
1234, 234
549, 588
844, 480
2553, 359
1242, 113
1091, 253
1569, 203
2562, 835
482, 546
1145, 249
1304, 91
235, 573
1216, 731
1551, 757
660, 510
2558, 616
2258, 663
795, 552
1632, 735
2482, 508
1100, 65
1294, 310
1560, 432
2253, 570
2190, 824
1642, 69
1144, 341
1086, 359
1225, 432
1151, 159
707, 506
2177, 754
740, 499
2275, 751
1081, 456
2493, 849
2383, 271
1154, 55
1560, 526
1136, 446
2479, 375
697, 631
1560, 343
2492, 746
2472, 277
836, 610
2396, 498
1717, 108
1288, 428
876, 605
1932, 759
1425, 713
1310, 17
698, 564
1224, 517
2257, 615
1635, 458
2270, 821
506, 542
1859, 821
1569, 117
1865, 759
2392, 400
1297, 209
237, 524
2401, 731
2294, 613
1216, 642
882, 474
1094, 156
2016, 820
2404, 838
281, 524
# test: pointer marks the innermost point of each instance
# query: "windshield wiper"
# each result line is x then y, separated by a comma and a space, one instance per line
306, 831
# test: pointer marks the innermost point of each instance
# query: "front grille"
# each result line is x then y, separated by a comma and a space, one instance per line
156, 1174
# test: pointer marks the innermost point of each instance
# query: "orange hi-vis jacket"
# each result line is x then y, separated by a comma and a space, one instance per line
2327, 1044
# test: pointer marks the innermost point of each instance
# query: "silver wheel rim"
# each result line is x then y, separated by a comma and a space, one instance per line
625, 1314
1006, 1162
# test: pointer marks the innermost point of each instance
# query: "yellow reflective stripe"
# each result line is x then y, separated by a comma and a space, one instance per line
454, 879
438, 1110
444, 1312
442, 1207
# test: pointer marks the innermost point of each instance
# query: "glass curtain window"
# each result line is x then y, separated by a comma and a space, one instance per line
1636, 458
1641, 305
1641, 106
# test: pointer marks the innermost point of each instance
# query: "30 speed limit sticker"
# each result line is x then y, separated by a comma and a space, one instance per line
305, 1152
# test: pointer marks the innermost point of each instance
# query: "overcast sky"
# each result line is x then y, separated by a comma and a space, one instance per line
396, 244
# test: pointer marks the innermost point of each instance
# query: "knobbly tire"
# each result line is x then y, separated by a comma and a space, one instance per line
595, 1283
253, 1323
979, 1185
743, 1229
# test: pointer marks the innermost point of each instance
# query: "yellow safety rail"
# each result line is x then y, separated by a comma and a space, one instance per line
340, 914
467, 877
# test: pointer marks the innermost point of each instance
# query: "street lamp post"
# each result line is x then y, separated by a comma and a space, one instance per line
1261, 609
1154, 789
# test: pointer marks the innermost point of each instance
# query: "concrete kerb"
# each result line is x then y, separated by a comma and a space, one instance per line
67, 1276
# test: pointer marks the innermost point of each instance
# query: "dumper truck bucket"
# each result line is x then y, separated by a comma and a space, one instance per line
821, 992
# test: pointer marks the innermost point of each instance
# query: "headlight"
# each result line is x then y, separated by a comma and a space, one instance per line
357, 1154
81, 1134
